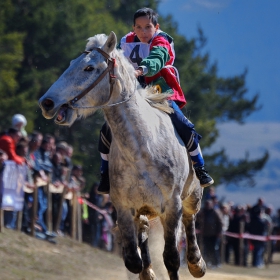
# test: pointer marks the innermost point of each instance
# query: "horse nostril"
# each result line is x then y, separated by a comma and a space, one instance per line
48, 104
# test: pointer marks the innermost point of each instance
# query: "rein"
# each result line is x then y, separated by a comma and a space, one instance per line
110, 70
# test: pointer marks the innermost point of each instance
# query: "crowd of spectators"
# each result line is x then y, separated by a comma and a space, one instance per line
216, 218
50, 168
49, 163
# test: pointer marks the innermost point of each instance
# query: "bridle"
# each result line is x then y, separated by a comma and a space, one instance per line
110, 69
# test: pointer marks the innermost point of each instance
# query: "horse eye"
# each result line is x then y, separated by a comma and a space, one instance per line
89, 68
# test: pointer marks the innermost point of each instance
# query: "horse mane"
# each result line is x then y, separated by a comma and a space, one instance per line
150, 94
158, 100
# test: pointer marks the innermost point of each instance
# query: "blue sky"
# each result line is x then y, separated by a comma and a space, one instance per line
242, 34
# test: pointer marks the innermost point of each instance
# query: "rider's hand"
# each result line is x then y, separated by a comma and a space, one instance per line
138, 72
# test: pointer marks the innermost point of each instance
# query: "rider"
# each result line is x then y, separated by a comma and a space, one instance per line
151, 52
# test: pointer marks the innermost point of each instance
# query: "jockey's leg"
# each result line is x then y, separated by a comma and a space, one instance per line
191, 139
105, 139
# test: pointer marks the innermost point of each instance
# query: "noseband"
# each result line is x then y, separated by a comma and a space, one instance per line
109, 69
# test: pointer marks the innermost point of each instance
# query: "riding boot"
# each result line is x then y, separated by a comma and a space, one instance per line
204, 178
198, 165
104, 184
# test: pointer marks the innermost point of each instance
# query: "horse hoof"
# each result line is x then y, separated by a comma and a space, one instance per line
173, 275
147, 274
197, 270
134, 265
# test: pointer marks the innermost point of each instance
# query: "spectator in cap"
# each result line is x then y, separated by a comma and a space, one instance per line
77, 177
63, 148
19, 122
68, 158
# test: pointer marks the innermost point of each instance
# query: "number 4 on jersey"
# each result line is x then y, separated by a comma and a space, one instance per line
134, 56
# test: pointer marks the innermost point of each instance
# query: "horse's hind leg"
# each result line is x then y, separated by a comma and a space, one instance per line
196, 263
127, 229
143, 230
171, 221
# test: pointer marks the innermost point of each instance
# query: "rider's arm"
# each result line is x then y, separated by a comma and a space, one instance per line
155, 61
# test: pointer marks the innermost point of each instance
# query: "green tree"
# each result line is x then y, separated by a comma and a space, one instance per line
11, 55
39, 38
54, 32
212, 100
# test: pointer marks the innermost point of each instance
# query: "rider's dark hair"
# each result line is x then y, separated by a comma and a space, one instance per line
151, 14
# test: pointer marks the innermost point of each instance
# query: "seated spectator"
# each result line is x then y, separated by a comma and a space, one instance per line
43, 167
8, 144
22, 150
35, 140
3, 158
107, 225
11, 216
68, 158
95, 218
62, 148
77, 178
58, 183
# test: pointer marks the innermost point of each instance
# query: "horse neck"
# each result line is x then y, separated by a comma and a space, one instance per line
127, 122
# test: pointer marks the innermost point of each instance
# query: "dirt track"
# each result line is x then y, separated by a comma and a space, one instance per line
25, 258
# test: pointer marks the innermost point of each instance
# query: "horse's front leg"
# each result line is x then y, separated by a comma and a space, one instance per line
171, 221
132, 259
143, 234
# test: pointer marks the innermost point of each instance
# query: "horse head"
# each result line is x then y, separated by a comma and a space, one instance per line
85, 84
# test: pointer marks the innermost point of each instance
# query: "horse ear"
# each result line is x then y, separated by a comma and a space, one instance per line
111, 43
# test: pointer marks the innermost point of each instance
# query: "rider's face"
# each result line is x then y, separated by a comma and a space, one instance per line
144, 29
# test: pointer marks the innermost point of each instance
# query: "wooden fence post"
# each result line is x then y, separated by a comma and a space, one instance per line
74, 216
223, 247
268, 248
79, 220
60, 209
1, 219
19, 220
49, 209
34, 210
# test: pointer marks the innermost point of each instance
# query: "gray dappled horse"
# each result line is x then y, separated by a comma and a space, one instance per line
150, 172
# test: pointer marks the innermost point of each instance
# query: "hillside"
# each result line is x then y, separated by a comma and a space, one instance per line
25, 258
